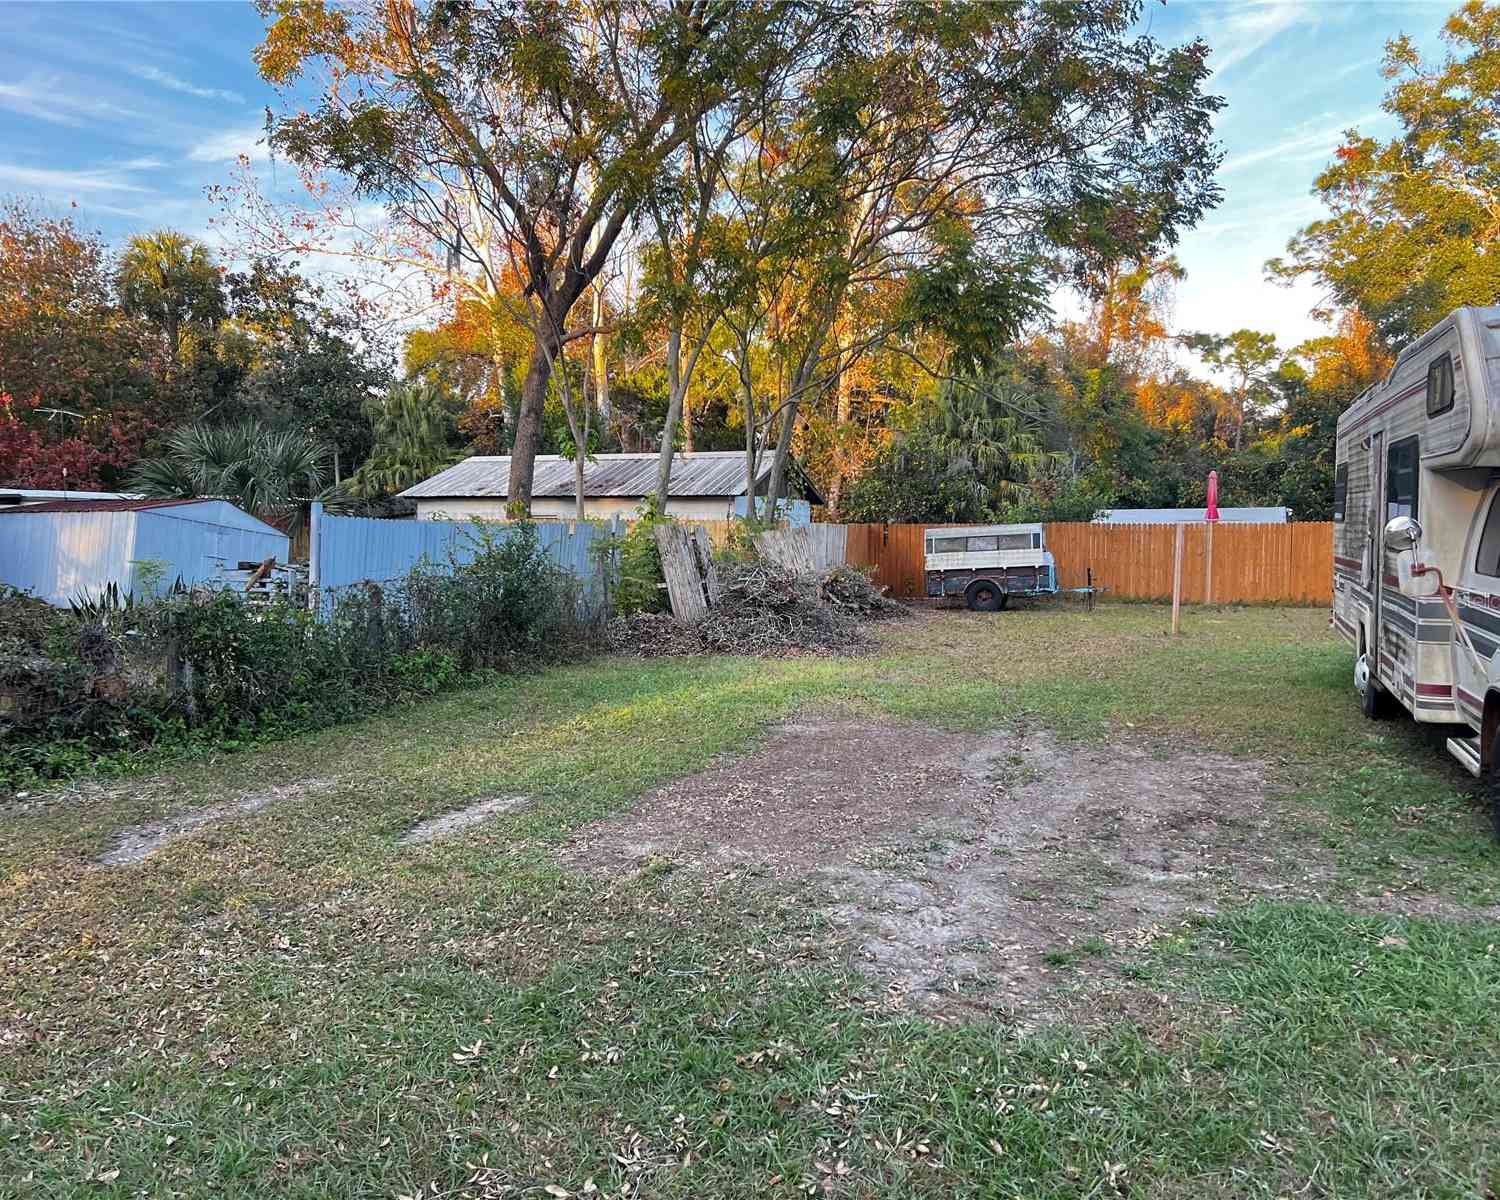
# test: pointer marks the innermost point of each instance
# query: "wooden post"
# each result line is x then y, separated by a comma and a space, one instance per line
1177, 581
1208, 564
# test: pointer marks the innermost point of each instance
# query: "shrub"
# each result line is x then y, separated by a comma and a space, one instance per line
642, 586
115, 678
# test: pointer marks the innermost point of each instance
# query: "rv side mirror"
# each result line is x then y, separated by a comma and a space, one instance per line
1402, 533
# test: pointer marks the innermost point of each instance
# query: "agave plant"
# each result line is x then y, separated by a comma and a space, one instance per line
264, 471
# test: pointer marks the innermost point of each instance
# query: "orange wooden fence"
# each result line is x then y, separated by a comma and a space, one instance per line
1251, 564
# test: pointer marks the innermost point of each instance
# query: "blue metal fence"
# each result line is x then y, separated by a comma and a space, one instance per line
347, 551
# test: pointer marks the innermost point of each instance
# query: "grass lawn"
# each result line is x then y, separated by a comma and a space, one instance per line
291, 1002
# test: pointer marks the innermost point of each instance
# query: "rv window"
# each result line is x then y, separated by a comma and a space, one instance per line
987, 542
1440, 386
1014, 541
952, 545
1340, 491
1401, 479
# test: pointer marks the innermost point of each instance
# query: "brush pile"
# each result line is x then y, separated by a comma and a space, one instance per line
764, 609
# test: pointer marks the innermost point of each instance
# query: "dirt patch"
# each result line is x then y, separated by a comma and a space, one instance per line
132, 845
463, 818
967, 872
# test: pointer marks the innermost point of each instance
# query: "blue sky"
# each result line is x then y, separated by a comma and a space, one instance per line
129, 111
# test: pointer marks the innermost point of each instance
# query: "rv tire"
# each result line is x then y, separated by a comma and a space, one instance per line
1491, 789
1373, 700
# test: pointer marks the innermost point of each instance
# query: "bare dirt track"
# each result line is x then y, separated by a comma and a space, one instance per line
963, 872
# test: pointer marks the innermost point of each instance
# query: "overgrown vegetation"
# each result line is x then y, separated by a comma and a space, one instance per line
113, 678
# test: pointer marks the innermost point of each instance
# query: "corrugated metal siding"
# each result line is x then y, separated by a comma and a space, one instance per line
198, 544
59, 556
348, 551
714, 473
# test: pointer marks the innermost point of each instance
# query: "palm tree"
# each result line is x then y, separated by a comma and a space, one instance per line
172, 281
267, 472
413, 425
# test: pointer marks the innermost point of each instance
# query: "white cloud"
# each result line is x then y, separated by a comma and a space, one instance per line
1310, 143
177, 84
1244, 29
229, 144
142, 164
44, 179
47, 100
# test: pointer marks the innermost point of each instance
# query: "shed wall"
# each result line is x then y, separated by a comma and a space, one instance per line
58, 557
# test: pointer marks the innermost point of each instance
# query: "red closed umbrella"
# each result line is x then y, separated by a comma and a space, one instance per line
1213, 497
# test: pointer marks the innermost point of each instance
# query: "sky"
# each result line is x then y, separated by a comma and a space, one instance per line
124, 113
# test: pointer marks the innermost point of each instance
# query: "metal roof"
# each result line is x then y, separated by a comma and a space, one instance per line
982, 530
708, 473
86, 506
1192, 516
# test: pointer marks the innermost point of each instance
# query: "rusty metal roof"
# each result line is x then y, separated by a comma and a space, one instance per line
709, 473
90, 506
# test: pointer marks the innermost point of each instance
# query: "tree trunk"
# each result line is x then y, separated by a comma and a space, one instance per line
674, 414
843, 409
601, 362
752, 445
529, 427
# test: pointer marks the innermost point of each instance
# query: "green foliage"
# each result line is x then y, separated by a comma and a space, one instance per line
119, 676
1411, 230
415, 426
265, 471
642, 586
171, 281
979, 447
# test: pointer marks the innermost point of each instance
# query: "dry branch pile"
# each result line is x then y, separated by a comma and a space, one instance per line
767, 610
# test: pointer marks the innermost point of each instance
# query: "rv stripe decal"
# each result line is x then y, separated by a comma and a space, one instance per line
1477, 616
1434, 689
1374, 412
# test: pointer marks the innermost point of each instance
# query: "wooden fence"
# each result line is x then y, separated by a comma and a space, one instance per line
1251, 564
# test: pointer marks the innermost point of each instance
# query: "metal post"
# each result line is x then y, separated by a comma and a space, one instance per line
314, 543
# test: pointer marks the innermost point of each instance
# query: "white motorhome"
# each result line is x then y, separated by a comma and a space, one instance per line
1416, 541
988, 564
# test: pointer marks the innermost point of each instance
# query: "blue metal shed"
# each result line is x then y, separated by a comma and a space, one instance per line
63, 549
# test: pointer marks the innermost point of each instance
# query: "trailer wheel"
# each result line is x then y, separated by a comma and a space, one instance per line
1373, 700
984, 596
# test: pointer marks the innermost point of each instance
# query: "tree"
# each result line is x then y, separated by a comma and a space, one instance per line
1249, 359
978, 448
265, 471
1008, 139
1414, 224
414, 429
61, 336
171, 281
95, 456
514, 133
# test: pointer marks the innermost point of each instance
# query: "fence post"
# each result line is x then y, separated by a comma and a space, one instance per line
314, 545
1177, 581
1208, 564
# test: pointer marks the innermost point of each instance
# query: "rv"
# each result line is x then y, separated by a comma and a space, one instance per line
988, 564
1416, 537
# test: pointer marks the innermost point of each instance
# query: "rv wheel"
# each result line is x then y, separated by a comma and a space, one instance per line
1372, 697
1491, 789
984, 597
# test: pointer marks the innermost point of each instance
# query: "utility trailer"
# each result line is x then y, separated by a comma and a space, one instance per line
988, 564
1416, 538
